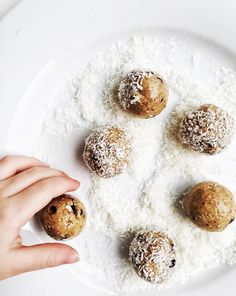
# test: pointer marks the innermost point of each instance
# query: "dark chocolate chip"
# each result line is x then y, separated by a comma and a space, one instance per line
172, 263
232, 220
53, 209
74, 210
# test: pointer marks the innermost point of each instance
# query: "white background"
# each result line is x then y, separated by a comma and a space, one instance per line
59, 281
6, 5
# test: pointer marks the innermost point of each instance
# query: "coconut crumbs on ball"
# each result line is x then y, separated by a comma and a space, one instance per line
107, 151
152, 256
207, 129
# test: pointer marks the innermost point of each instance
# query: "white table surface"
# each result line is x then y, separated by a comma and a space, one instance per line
57, 281
6, 5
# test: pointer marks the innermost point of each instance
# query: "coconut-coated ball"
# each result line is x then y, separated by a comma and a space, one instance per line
64, 217
107, 151
210, 206
206, 129
152, 255
143, 93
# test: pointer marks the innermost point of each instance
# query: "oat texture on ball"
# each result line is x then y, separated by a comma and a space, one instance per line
207, 129
210, 206
152, 256
107, 151
143, 93
64, 217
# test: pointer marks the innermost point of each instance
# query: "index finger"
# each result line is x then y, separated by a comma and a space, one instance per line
34, 198
13, 164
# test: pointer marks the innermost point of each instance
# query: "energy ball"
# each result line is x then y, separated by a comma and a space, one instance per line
64, 217
152, 256
207, 129
107, 151
143, 93
210, 206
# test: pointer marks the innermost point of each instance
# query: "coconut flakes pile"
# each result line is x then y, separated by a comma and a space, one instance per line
161, 169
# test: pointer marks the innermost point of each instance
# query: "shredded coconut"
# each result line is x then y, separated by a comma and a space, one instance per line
107, 151
161, 169
130, 86
152, 255
207, 129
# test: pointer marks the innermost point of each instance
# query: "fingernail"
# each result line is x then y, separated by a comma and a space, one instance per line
45, 164
65, 174
78, 182
73, 257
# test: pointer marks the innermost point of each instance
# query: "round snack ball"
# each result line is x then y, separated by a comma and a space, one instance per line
63, 217
210, 206
143, 93
152, 256
207, 129
106, 151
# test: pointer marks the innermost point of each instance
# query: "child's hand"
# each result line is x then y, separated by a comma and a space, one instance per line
26, 186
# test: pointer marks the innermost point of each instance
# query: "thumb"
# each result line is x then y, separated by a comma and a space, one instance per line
29, 258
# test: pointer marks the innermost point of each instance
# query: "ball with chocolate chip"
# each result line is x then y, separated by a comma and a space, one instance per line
64, 217
143, 93
206, 129
152, 255
210, 206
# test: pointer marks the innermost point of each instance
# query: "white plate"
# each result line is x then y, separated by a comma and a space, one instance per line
56, 38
